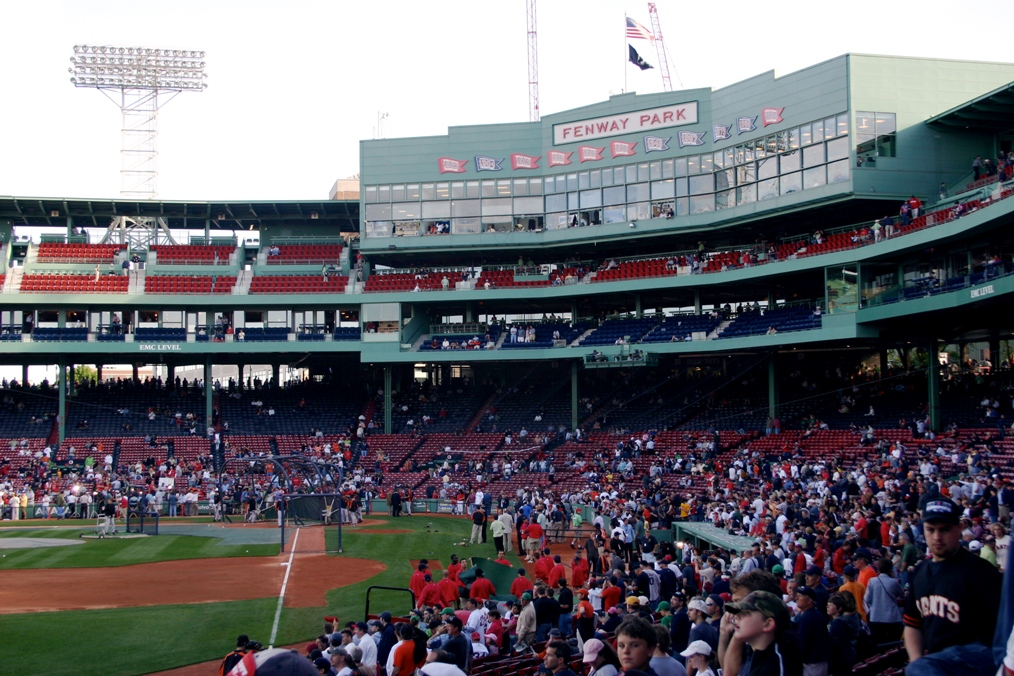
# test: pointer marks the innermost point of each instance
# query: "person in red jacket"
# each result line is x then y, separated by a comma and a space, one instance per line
542, 567
454, 569
431, 594
557, 572
482, 588
521, 584
502, 560
418, 580
449, 592
579, 571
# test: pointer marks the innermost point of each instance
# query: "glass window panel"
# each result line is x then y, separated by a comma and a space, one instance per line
503, 187
520, 186
707, 164
770, 145
746, 194
397, 192
572, 202
457, 190
746, 173
843, 124
783, 140
471, 189
378, 229
667, 169
405, 210
740, 154
830, 127
614, 214
443, 191
595, 178
702, 184
639, 211
638, 192
767, 167
663, 190
792, 183
886, 123
719, 160
815, 177
682, 206
436, 209
680, 166
631, 171
725, 200
694, 164
838, 171
556, 202
371, 193
489, 188
790, 161
583, 181
813, 155
730, 155
550, 185
682, 190
464, 207
767, 189
378, 212
655, 168
412, 191
500, 206
591, 199
805, 135
535, 186
561, 183
607, 177
702, 204
617, 195
383, 193
571, 182
642, 172
837, 149
725, 179
465, 226
794, 138
528, 205
818, 132
866, 122
557, 220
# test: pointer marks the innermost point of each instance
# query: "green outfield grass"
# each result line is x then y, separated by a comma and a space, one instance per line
143, 640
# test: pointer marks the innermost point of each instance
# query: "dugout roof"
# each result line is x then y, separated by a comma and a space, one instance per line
991, 112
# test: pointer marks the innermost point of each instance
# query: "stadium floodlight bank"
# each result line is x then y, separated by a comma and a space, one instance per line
138, 68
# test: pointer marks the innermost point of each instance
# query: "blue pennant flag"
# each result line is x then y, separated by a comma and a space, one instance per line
746, 124
692, 138
654, 144
483, 163
720, 133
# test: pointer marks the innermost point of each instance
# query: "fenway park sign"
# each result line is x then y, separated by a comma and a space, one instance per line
625, 123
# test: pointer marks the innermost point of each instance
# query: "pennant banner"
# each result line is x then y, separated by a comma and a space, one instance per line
589, 153
519, 161
771, 115
746, 124
654, 144
483, 163
622, 148
692, 138
720, 133
558, 158
449, 165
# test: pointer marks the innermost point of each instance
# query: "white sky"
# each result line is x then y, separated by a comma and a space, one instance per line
294, 86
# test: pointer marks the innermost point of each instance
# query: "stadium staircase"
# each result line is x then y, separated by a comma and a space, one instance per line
137, 281
242, 286
12, 282
481, 413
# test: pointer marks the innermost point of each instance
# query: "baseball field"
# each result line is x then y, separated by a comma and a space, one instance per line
141, 605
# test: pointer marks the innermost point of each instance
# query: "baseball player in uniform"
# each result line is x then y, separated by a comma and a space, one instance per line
953, 603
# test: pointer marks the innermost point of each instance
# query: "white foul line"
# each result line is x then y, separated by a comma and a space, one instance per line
281, 594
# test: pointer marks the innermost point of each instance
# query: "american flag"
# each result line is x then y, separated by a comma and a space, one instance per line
637, 31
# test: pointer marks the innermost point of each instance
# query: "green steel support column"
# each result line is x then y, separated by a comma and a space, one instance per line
387, 400
61, 318
994, 349
70, 227
883, 361
24, 375
61, 383
573, 395
772, 387
207, 229
275, 370
933, 375
209, 391
638, 311
73, 379
98, 372
697, 302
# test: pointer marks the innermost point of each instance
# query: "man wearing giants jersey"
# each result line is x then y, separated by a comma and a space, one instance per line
953, 603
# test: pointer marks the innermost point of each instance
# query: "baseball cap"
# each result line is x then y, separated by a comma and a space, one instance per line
631, 601
592, 648
763, 602
454, 620
777, 569
447, 611
697, 648
697, 604
850, 570
642, 600
322, 663
526, 597
361, 626
476, 636
974, 546
814, 570
275, 662
717, 600
613, 611
807, 591
863, 553
555, 632
663, 605
941, 510
385, 616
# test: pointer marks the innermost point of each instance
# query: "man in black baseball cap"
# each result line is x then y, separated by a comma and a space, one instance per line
951, 611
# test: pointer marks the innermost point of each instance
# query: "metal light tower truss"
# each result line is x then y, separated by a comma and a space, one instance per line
533, 63
139, 80
656, 30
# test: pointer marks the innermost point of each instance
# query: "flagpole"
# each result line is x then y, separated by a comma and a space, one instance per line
625, 57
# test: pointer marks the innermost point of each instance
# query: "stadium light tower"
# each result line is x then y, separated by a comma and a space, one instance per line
139, 80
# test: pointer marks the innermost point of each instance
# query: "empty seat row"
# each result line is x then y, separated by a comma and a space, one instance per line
305, 254
196, 254
40, 283
78, 252
298, 284
188, 284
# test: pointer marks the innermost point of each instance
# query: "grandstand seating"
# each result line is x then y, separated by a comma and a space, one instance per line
652, 267
186, 284
292, 254
192, 254
403, 281
297, 284
544, 334
265, 334
45, 283
783, 319
677, 328
59, 252
79, 334
612, 329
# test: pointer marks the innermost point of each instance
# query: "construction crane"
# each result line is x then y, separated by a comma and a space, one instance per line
533, 63
663, 60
